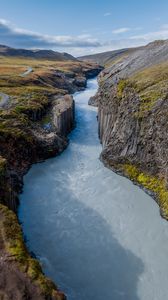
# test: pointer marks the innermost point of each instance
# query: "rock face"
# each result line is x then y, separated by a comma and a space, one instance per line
64, 114
133, 118
93, 101
15, 285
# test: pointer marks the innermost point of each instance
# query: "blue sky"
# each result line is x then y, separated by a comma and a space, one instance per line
82, 27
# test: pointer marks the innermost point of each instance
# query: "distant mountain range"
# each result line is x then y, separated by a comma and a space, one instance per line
37, 54
106, 58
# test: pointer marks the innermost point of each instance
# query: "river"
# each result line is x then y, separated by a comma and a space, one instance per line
97, 235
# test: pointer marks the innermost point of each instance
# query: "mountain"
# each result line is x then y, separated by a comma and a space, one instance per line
105, 58
37, 54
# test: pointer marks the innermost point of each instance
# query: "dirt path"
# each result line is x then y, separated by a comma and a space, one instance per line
29, 70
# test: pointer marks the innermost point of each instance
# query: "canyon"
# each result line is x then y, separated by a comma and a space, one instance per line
89, 217
95, 233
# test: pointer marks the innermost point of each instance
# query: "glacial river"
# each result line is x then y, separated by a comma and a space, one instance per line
97, 235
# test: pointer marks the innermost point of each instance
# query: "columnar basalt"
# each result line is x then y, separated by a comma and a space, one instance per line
133, 118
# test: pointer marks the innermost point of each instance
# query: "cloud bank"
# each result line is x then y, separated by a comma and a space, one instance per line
82, 44
17, 37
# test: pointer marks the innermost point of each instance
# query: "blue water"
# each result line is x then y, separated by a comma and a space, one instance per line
97, 235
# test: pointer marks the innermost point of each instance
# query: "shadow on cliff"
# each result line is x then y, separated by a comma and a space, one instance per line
77, 246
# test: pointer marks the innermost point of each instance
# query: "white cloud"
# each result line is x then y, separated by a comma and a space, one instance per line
107, 14
121, 30
17, 37
151, 36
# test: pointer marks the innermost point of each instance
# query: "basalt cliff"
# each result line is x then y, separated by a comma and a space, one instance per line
36, 114
133, 116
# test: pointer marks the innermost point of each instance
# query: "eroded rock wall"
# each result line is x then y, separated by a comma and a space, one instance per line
133, 122
64, 114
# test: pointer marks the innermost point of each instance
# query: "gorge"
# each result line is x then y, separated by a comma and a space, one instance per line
83, 150
96, 234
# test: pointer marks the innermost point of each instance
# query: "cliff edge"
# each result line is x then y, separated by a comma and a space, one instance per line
133, 118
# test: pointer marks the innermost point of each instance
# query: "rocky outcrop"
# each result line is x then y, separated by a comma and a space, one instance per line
93, 101
64, 114
133, 119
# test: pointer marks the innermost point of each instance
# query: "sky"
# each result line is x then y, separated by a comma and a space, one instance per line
82, 27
